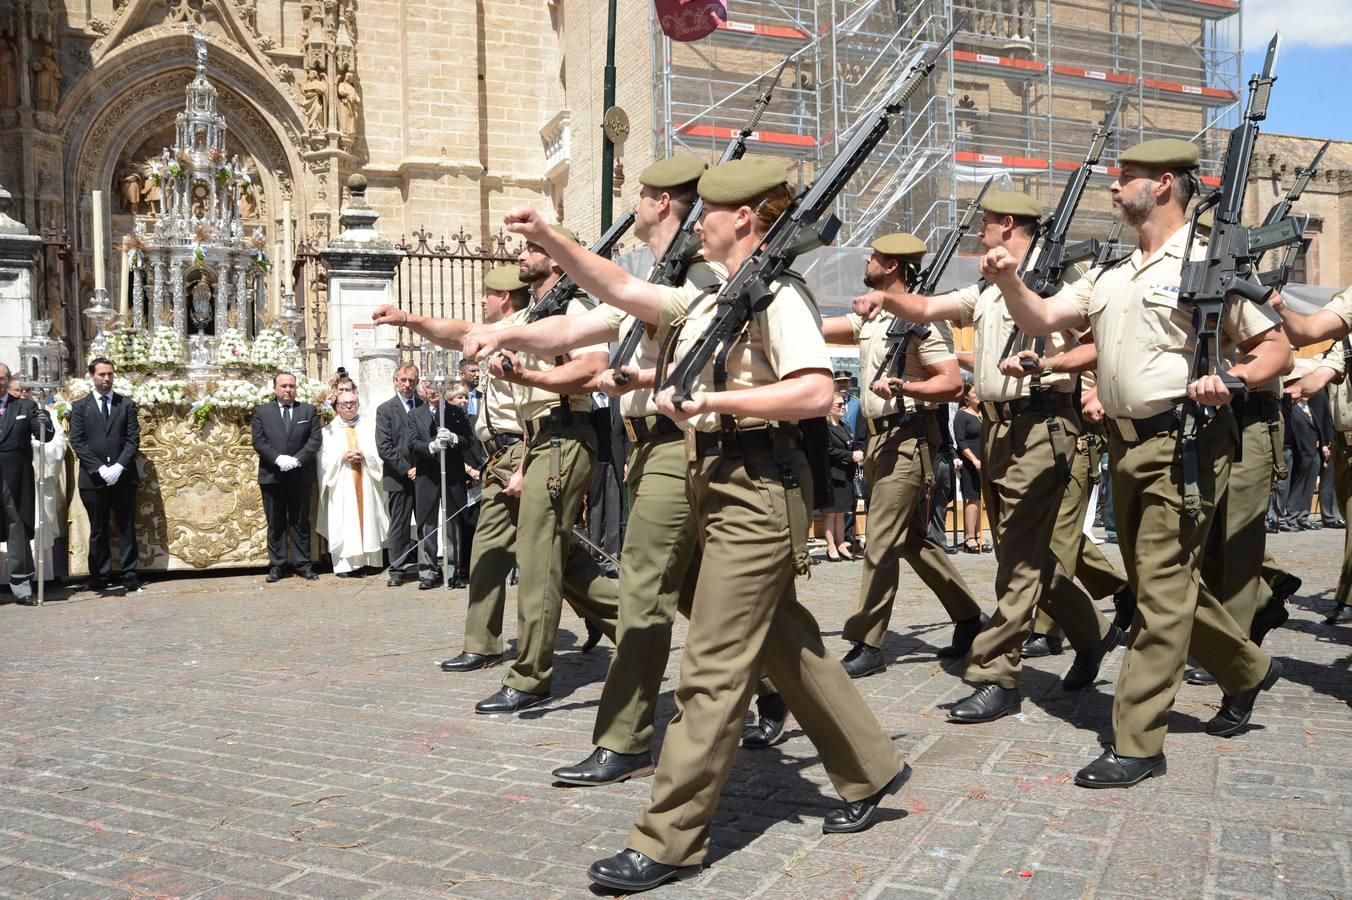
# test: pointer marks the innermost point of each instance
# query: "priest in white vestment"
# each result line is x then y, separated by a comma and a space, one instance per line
352, 515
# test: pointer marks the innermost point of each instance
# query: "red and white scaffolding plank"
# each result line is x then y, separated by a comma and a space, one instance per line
1079, 76
1028, 165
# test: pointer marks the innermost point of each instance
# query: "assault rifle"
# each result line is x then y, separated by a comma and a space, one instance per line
748, 290
556, 299
1048, 244
1277, 278
1226, 271
1108, 251
900, 332
670, 269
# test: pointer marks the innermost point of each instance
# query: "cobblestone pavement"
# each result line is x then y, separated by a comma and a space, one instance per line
216, 737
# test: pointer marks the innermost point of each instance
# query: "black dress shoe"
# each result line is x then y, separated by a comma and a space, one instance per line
468, 662
606, 767
274, 576
396, 579
1271, 529
863, 660
1085, 668
457, 583
964, 633
859, 815
1272, 616
426, 584
1040, 645
509, 699
1285, 588
1334, 523
130, 583
1237, 708
631, 871
988, 703
769, 728
594, 635
1286, 526
308, 574
1199, 675
1124, 609
1113, 771
1341, 615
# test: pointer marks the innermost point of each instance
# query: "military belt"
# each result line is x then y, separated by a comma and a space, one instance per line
643, 429
552, 422
500, 441
743, 442
1042, 403
896, 420
1256, 407
1134, 431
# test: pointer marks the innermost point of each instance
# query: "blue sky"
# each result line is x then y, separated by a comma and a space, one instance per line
1311, 96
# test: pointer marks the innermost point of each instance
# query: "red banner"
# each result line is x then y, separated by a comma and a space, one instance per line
690, 20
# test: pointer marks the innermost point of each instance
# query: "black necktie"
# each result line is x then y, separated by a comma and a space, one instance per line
106, 413
409, 401
286, 416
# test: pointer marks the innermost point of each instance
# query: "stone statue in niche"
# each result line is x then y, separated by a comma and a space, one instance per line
314, 95
349, 101
46, 80
9, 76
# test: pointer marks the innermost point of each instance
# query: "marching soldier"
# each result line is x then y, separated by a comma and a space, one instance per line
661, 549
899, 463
1333, 321
1145, 342
1028, 439
747, 475
498, 427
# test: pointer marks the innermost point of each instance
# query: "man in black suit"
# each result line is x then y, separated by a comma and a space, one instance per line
286, 437
21, 420
106, 435
1305, 464
429, 440
393, 436
1329, 516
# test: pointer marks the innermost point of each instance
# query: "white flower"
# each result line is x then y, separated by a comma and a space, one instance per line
235, 393
161, 392
272, 351
232, 350
166, 349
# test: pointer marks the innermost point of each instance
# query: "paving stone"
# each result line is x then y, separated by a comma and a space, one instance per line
214, 738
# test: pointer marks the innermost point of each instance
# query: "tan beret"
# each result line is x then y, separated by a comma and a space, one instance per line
673, 172
567, 232
1162, 153
900, 244
504, 278
1011, 203
741, 179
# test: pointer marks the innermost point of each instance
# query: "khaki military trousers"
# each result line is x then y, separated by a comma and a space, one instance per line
1090, 567
1023, 489
585, 585
1342, 483
657, 577
897, 531
1176, 613
1236, 548
746, 615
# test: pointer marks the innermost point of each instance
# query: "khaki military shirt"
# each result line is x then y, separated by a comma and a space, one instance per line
873, 344
1144, 335
1340, 389
639, 402
784, 338
497, 409
982, 306
534, 402
1341, 304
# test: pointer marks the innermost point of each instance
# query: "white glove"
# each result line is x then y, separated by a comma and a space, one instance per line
445, 438
105, 474
287, 463
113, 474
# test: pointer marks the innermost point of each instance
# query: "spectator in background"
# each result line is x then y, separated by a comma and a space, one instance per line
845, 457
967, 433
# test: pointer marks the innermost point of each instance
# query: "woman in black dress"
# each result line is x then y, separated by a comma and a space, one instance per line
967, 433
844, 460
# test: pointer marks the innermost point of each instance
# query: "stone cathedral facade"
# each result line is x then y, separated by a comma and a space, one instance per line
454, 110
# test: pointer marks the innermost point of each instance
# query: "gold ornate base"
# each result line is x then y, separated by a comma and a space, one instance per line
197, 504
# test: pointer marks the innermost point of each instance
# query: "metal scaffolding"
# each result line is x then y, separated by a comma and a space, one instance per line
1020, 93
